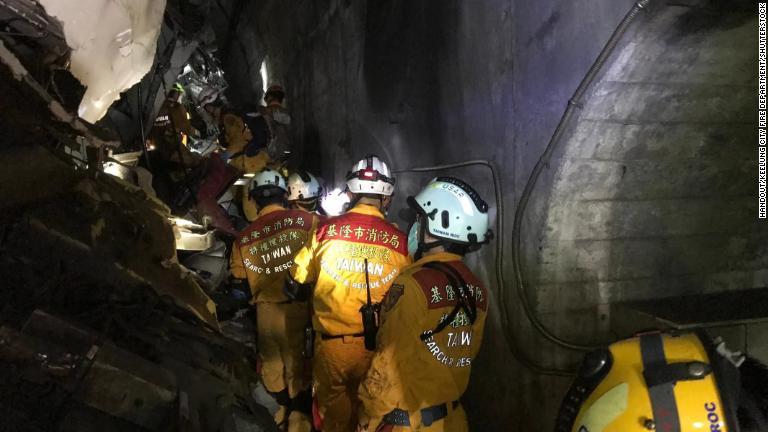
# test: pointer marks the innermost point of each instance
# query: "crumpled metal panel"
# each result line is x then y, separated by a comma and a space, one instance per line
83, 418
18, 348
127, 386
113, 46
39, 113
114, 381
114, 233
43, 325
123, 234
146, 371
190, 236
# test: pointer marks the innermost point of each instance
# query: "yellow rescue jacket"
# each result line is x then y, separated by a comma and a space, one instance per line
251, 164
236, 136
265, 250
410, 373
169, 134
334, 262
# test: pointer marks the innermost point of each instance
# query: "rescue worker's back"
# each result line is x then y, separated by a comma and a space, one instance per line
348, 255
433, 318
412, 374
265, 250
263, 254
335, 261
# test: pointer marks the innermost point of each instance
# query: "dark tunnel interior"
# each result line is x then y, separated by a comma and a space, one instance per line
614, 142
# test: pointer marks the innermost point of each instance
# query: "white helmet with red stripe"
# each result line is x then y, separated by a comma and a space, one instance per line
371, 175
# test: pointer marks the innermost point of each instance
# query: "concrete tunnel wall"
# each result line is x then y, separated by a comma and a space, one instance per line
650, 195
654, 192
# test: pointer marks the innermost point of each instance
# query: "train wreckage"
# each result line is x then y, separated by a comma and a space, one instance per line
115, 332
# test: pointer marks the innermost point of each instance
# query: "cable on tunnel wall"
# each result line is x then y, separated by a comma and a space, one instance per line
544, 160
517, 352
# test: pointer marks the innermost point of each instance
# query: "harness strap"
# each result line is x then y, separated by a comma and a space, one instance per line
663, 402
464, 302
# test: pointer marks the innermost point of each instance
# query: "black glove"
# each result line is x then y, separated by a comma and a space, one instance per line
236, 296
296, 291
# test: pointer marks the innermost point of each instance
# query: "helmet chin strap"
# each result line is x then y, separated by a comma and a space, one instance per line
353, 202
423, 245
384, 209
307, 205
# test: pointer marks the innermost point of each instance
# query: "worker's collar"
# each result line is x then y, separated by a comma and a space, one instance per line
437, 256
367, 209
270, 209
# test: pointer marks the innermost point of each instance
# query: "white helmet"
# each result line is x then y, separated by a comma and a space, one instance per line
371, 176
303, 186
453, 211
267, 180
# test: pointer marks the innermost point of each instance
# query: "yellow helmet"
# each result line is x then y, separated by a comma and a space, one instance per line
667, 382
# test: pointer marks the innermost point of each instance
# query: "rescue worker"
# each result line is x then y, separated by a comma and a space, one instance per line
270, 124
270, 143
172, 126
304, 191
234, 135
346, 269
170, 159
237, 138
262, 255
432, 319
672, 381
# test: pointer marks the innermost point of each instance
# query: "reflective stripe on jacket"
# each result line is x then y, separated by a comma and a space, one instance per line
334, 261
410, 373
265, 250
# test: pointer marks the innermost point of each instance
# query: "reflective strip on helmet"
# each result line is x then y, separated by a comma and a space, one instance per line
605, 409
481, 205
665, 414
370, 176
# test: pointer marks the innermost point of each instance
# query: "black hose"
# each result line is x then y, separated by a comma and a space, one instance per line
544, 160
